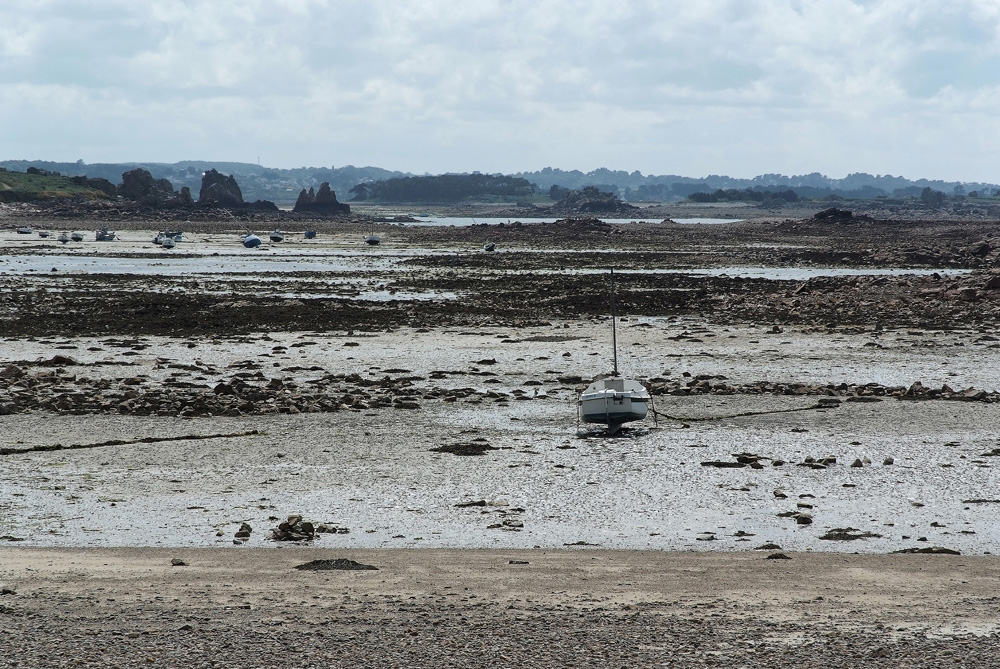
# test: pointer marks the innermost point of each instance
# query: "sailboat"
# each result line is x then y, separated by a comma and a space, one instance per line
613, 400
250, 240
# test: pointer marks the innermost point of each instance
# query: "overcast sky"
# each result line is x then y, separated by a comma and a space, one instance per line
690, 87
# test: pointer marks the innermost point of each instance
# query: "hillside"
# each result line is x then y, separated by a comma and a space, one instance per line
22, 187
280, 186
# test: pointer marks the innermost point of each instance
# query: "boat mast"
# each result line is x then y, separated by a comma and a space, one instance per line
614, 333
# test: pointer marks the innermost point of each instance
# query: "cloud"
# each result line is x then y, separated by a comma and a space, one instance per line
720, 86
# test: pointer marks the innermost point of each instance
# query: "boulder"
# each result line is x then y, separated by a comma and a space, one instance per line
980, 250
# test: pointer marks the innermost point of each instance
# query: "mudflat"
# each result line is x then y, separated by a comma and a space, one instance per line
823, 400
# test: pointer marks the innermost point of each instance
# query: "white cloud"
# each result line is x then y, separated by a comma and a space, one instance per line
721, 86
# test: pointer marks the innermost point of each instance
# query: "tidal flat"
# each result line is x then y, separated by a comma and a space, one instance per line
422, 395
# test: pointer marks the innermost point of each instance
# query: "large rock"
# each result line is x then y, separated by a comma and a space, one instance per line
138, 185
322, 202
218, 190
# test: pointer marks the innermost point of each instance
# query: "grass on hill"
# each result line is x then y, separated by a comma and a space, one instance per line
22, 187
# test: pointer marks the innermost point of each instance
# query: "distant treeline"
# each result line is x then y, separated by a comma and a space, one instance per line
746, 195
638, 187
446, 188
283, 185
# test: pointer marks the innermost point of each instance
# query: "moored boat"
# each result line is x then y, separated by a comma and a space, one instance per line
250, 241
63, 237
104, 235
25, 230
277, 236
613, 400
43, 234
77, 236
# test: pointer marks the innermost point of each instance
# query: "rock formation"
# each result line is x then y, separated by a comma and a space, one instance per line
592, 200
102, 185
219, 191
138, 185
323, 202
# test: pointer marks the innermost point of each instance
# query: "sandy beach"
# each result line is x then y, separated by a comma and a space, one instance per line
478, 608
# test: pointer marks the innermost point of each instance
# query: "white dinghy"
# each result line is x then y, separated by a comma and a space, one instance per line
613, 400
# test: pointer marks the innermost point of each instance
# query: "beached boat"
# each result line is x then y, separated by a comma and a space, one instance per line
489, 246
613, 400
104, 235
43, 234
310, 234
373, 239
63, 237
77, 236
25, 230
251, 241
277, 236
167, 239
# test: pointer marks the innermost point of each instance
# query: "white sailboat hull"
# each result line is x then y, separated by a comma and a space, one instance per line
613, 401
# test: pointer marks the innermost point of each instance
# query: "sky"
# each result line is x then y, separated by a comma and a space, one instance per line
688, 87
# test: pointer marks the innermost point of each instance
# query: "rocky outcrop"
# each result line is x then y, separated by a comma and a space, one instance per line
102, 185
835, 215
218, 190
138, 185
222, 192
592, 201
323, 202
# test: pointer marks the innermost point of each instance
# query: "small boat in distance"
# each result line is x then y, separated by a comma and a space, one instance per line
63, 237
613, 400
277, 236
77, 236
104, 235
373, 239
25, 230
489, 246
43, 234
310, 234
250, 241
